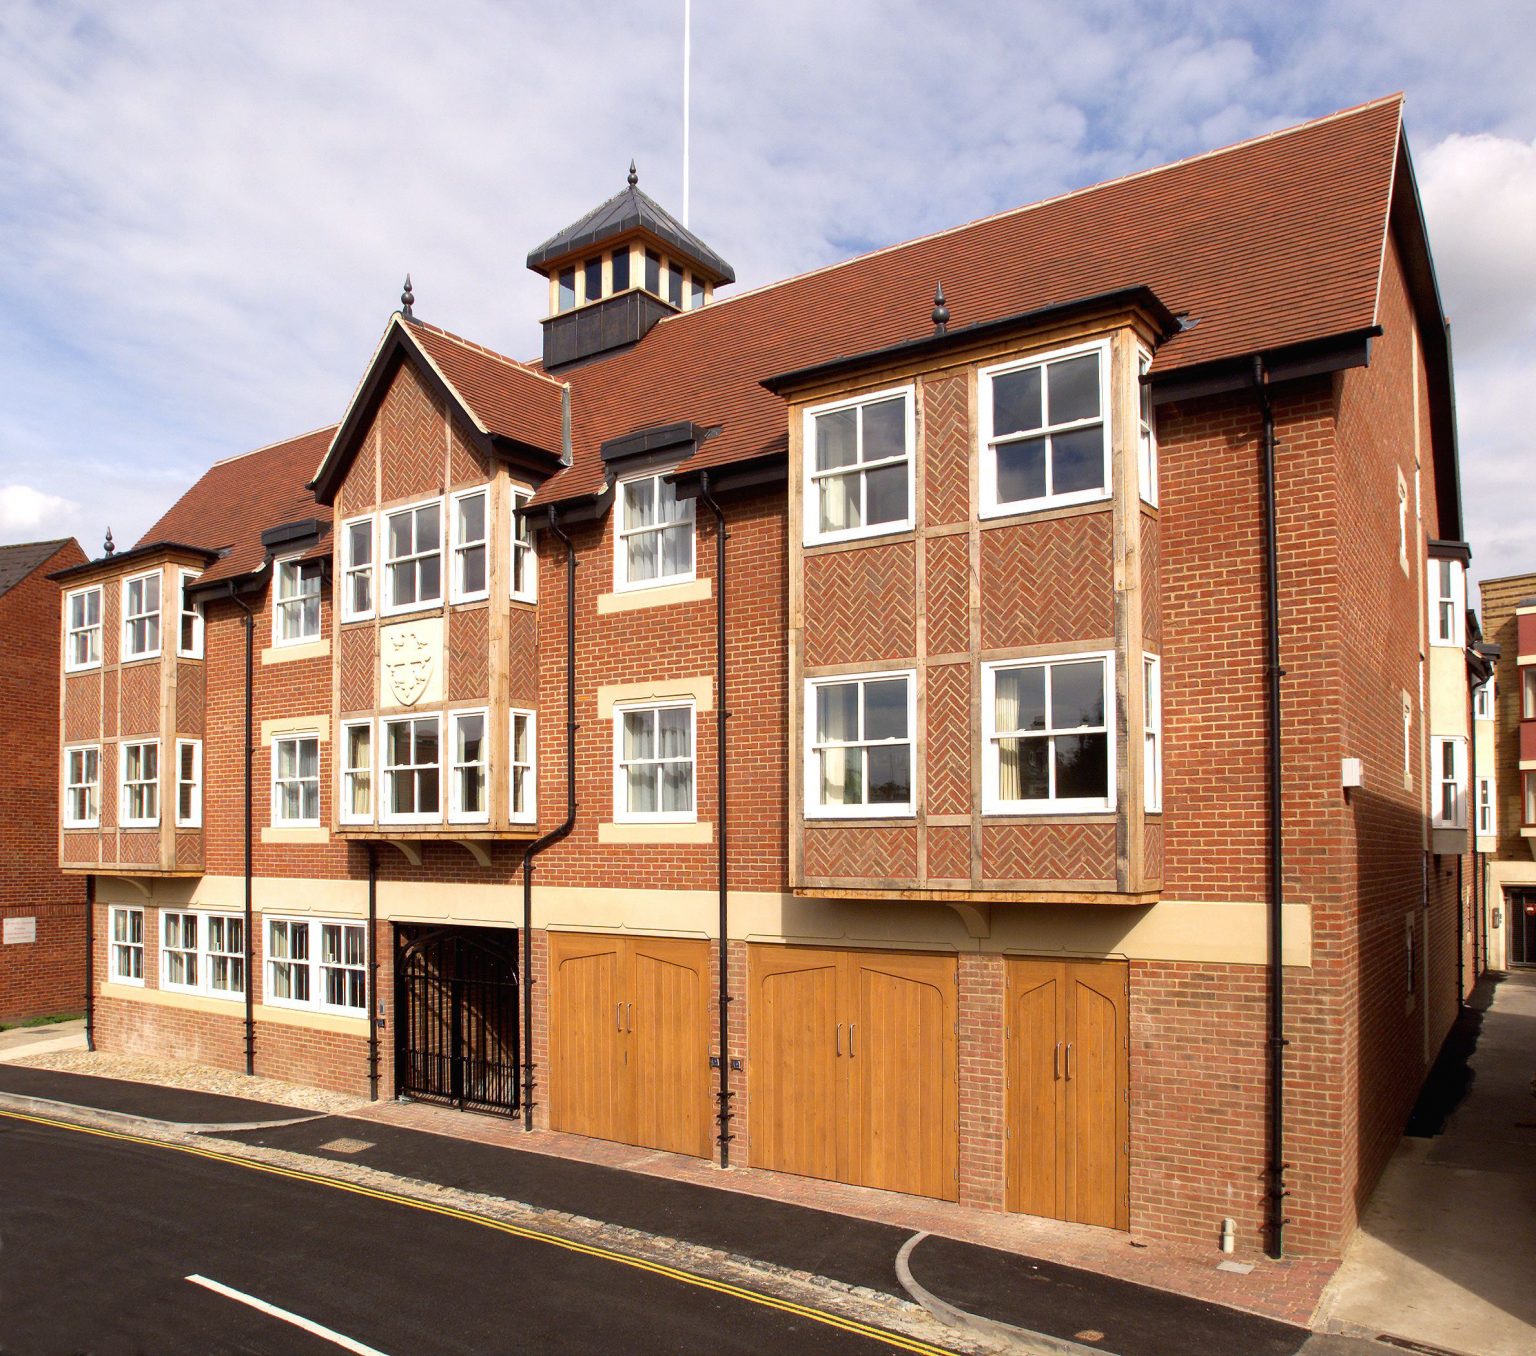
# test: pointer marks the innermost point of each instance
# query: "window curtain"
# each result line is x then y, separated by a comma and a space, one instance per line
1005, 716
677, 771
836, 723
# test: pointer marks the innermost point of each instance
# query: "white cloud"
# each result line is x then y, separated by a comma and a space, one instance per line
23, 509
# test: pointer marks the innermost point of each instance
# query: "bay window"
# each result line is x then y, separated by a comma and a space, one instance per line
1447, 603
413, 557
469, 555
141, 616
859, 745
524, 572
189, 631
653, 540
467, 801
140, 763
82, 625
522, 787
858, 467
82, 787
357, 569
1146, 431
356, 772
1152, 722
189, 783
412, 768
1046, 744
654, 763
1485, 806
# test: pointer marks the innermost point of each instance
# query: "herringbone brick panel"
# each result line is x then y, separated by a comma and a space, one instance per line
1047, 582
412, 423
523, 658
855, 852
949, 854
464, 464
947, 449
359, 488
359, 668
108, 780
189, 850
1048, 852
109, 715
949, 740
141, 699
82, 707
469, 654
190, 701
1152, 850
1151, 596
139, 846
859, 605
948, 609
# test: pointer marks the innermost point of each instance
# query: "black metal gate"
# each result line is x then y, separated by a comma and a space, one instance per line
457, 1016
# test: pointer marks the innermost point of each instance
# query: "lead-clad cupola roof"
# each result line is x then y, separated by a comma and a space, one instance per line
624, 213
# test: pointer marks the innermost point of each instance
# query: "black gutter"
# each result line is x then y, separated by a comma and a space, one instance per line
722, 715
250, 978
90, 962
1273, 673
560, 830
373, 972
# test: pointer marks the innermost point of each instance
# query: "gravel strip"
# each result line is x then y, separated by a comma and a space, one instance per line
173, 1073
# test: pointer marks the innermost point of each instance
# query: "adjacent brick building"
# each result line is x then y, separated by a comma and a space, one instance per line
42, 910
828, 728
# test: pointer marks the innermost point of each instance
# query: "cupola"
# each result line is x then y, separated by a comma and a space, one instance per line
612, 275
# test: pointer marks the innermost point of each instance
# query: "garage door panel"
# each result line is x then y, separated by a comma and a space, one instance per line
586, 1049
1095, 1103
1035, 1112
668, 1035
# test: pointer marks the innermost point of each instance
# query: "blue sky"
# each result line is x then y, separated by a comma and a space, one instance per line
206, 210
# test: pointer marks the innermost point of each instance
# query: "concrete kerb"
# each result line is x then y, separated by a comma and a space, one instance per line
122, 1120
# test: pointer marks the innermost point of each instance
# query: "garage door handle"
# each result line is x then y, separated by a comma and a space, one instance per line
631, 1008
852, 1027
1069, 1059
1058, 1059
618, 1017
838, 1039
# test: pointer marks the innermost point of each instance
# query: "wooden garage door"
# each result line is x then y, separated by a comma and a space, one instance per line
852, 1069
1068, 1117
629, 1040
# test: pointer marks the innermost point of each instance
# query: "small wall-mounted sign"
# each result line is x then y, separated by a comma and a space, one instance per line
18, 930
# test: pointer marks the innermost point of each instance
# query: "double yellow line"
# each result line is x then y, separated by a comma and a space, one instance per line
822, 1316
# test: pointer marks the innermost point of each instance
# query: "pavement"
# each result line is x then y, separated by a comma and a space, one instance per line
1444, 1253
17, 1042
1020, 1303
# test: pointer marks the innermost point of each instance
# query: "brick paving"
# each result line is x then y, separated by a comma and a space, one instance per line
1287, 1290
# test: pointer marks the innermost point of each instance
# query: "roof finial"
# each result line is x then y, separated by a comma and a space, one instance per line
407, 299
634, 176
940, 311
109, 547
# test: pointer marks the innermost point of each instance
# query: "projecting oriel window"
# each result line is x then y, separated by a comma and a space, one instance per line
82, 787
467, 801
525, 564
82, 639
356, 772
140, 789
189, 783
470, 565
1152, 717
1046, 743
189, 633
1446, 603
1146, 431
858, 756
141, 616
412, 787
858, 467
522, 785
413, 557
357, 569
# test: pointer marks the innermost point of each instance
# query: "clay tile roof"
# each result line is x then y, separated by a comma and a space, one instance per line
238, 499
1272, 242
19, 560
508, 398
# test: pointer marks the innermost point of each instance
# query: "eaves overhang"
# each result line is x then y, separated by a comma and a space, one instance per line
1311, 358
110, 564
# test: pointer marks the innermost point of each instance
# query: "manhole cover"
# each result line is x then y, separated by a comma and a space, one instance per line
346, 1146
1089, 1335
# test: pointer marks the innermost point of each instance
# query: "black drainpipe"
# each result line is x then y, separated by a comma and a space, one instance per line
1273, 674
90, 962
721, 716
373, 972
560, 830
250, 978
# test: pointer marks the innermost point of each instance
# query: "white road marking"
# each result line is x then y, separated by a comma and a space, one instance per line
298, 1321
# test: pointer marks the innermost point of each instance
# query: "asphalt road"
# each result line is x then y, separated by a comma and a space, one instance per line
99, 1234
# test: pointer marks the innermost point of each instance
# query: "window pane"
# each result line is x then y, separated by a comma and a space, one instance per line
1020, 699
1034, 778
639, 736
1074, 389
567, 289
474, 570
471, 732
639, 504
360, 543
885, 494
653, 272
1016, 402
399, 535
426, 741
641, 557
427, 531
885, 709
471, 511
842, 777
677, 788
620, 270
675, 286
642, 788
593, 279
676, 549
837, 713
890, 775
309, 757
1021, 470
838, 502
1077, 460
836, 439
885, 429
1077, 695
1082, 765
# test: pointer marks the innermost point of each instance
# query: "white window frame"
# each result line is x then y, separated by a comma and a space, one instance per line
190, 953
991, 764
528, 769
296, 737
124, 819
1146, 431
387, 605
458, 547
810, 477
185, 612
1527, 799
1407, 742
293, 567
71, 786
350, 568
1152, 734
202, 953
194, 818
384, 768
313, 964
93, 633
991, 506
522, 555
456, 812
1482, 701
1439, 634
117, 948
622, 814
815, 808
622, 536
1528, 693
1487, 809
1440, 782
157, 613
346, 772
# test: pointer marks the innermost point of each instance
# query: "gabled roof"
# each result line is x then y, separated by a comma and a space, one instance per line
238, 499
501, 399
21, 559
1271, 243
630, 210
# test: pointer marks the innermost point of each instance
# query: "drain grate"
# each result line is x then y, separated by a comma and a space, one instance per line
346, 1146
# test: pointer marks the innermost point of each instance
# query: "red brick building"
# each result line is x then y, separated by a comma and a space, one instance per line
830, 728
42, 910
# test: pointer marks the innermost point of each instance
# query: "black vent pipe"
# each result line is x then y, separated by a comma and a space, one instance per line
560, 830
90, 962
722, 715
250, 979
373, 972
1273, 674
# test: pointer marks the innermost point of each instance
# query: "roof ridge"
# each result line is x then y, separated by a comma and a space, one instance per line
488, 352
1279, 132
280, 442
42, 541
